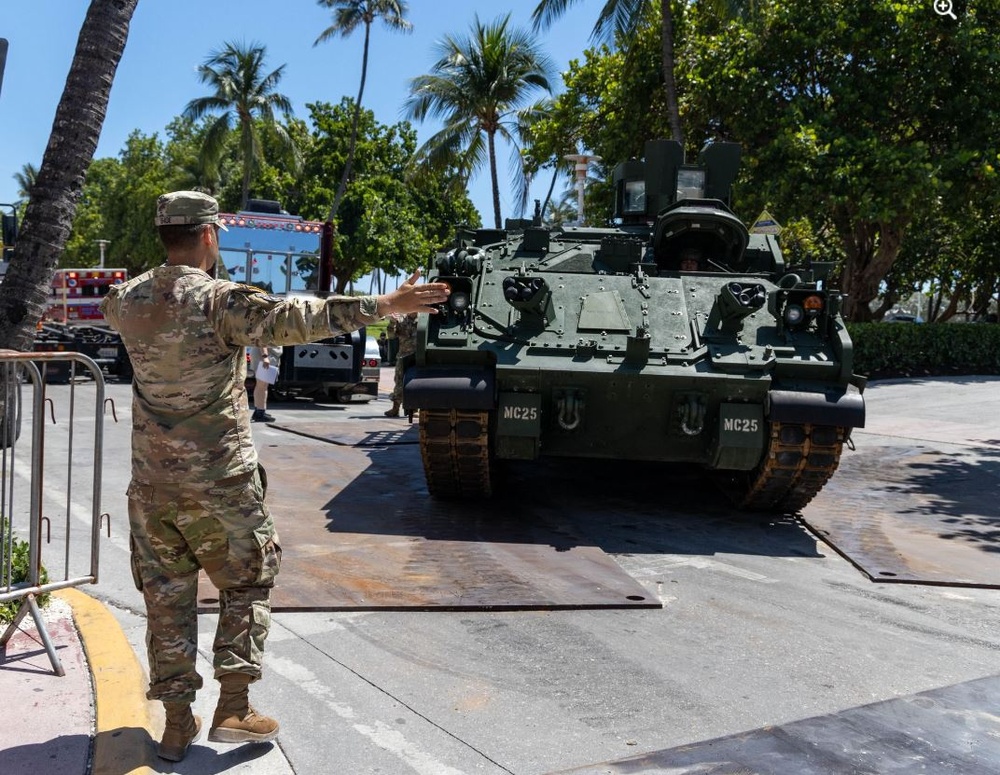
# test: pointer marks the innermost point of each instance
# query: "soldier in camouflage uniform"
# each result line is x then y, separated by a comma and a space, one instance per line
404, 330
196, 499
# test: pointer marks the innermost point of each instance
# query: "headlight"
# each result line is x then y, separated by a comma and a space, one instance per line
459, 299
793, 315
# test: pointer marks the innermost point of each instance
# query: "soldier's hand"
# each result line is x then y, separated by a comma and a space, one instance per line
413, 297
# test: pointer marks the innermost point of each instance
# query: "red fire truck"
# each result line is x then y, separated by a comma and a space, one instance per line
76, 294
73, 322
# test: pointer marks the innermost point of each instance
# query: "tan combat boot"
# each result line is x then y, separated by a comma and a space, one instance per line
394, 412
235, 721
182, 729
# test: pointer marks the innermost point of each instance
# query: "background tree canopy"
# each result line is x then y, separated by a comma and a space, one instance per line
871, 131
867, 115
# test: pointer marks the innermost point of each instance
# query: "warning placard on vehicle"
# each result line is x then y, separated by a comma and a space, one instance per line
765, 224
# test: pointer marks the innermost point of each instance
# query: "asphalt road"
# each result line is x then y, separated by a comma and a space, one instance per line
761, 623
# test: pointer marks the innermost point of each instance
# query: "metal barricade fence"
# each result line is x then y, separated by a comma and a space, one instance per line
70, 541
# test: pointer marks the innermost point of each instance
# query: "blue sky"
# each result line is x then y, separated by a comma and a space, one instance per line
169, 39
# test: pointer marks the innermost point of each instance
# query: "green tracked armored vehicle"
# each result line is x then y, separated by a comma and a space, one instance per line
677, 336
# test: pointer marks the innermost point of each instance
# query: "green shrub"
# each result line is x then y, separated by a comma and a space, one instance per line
887, 350
19, 564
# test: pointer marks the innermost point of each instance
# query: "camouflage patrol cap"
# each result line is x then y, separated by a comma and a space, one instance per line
183, 208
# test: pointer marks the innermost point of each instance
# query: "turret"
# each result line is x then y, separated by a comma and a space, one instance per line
687, 205
661, 179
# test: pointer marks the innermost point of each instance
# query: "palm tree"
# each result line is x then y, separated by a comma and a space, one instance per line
54, 195
550, 153
25, 180
348, 15
476, 87
198, 173
243, 96
563, 210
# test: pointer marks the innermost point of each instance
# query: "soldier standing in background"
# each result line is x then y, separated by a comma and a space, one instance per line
196, 498
404, 330
383, 347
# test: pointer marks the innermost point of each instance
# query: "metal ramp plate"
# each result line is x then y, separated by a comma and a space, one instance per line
358, 531
954, 729
912, 515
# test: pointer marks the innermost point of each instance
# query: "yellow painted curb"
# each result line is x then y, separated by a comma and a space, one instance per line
123, 742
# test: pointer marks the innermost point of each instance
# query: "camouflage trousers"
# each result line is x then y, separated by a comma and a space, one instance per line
226, 530
397, 385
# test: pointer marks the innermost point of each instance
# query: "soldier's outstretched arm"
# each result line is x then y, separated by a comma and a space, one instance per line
248, 316
412, 296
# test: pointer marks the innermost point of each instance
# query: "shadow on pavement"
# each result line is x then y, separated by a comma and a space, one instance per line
915, 515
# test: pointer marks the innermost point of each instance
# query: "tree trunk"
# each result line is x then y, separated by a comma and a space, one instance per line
871, 249
669, 82
935, 303
342, 282
552, 185
72, 144
247, 146
342, 186
982, 296
491, 138
952, 307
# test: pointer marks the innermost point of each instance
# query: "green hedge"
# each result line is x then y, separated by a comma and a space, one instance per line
885, 350
19, 565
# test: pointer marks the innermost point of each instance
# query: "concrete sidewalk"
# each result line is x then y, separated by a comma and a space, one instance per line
93, 719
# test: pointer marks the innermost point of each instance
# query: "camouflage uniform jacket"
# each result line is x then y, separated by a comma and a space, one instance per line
404, 330
185, 333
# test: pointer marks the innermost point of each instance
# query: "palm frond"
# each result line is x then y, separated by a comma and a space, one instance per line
547, 12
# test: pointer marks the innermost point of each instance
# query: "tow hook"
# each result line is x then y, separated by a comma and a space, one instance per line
692, 415
569, 408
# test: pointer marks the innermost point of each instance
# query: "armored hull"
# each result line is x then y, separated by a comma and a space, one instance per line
586, 342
